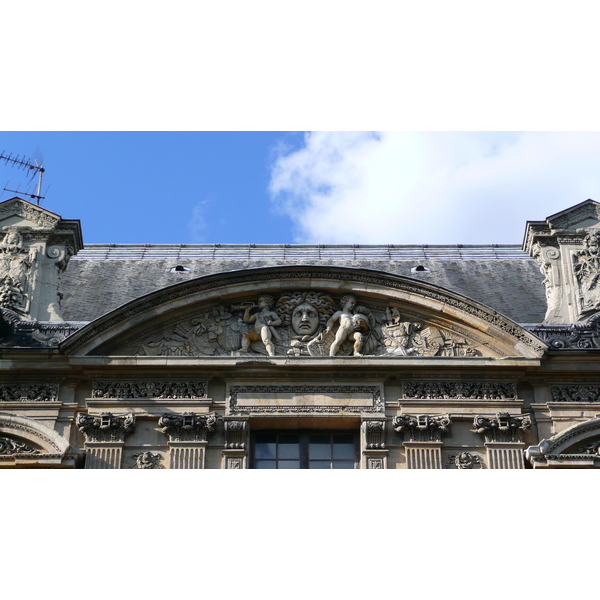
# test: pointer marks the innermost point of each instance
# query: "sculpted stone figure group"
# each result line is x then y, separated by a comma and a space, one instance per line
303, 323
15, 264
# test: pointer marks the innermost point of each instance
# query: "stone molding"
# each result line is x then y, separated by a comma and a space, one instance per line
188, 427
150, 389
28, 392
422, 428
255, 277
34, 432
105, 427
503, 428
378, 405
475, 390
374, 431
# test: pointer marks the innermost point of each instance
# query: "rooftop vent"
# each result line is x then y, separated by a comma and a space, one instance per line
420, 269
179, 269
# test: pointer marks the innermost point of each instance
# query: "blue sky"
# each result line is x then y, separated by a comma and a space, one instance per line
308, 187
157, 187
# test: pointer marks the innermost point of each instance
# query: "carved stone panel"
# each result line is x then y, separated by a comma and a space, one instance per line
477, 390
28, 392
149, 389
305, 399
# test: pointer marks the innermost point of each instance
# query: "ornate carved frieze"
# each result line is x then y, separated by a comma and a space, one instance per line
374, 434
188, 427
147, 460
575, 393
302, 399
149, 389
476, 390
105, 427
9, 447
28, 392
422, 428
504, 427
464, 460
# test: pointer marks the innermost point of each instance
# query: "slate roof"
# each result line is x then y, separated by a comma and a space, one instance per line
104, 276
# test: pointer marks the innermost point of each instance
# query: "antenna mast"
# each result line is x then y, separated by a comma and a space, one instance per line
35, 166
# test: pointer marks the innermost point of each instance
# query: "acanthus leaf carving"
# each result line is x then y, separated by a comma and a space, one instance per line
504, 427
188, 427
477, 390
147, 460
28, 392
105, 427
9, 446
422, 428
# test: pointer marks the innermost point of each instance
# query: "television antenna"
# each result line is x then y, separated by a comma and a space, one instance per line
34, 166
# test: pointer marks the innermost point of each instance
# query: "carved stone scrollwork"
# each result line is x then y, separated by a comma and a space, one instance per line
374, 434
586, 267
422, 428
477, 390
28, 392
147, 460
105, 427
9, 447
575, 393
187, 427
149, 389
504, 427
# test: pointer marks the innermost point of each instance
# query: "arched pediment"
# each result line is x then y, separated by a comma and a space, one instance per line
223, 315
27, 442
578, 445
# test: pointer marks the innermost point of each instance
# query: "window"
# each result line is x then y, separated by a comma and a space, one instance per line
304, 450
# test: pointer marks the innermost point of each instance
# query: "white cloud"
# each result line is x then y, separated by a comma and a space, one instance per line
432, 188
198, 224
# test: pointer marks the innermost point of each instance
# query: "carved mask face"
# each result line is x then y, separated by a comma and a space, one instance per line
305, 319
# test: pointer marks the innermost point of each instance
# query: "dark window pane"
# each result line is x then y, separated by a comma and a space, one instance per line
266, 438
344, 449
319, 446
265, 464
264, 450
342, 464
288, 464
319, 464
288, 446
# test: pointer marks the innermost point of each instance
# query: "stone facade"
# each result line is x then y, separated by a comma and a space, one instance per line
313, 362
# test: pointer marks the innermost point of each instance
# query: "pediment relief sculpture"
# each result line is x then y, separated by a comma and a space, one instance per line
306, 323
586, 266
